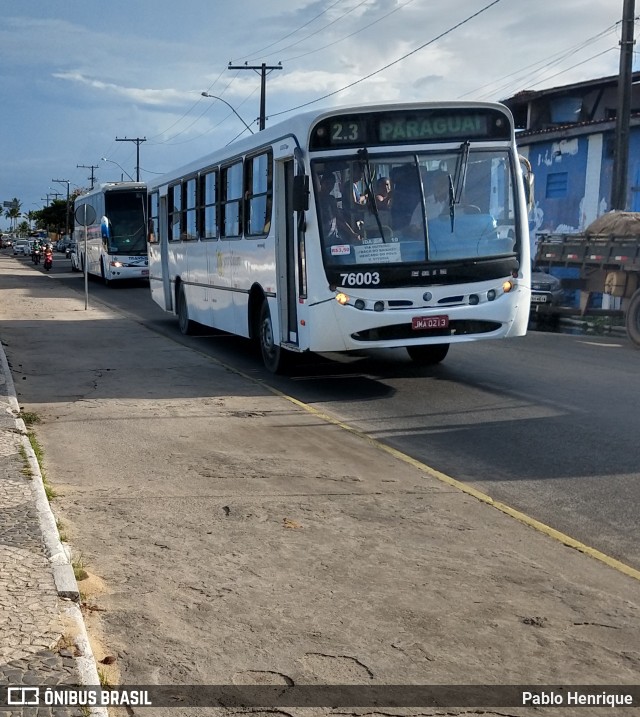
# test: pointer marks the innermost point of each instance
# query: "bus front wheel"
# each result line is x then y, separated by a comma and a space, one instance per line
428, 355
184, 322
273, 357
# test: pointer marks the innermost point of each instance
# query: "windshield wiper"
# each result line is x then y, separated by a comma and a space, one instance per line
456, 185
363, 156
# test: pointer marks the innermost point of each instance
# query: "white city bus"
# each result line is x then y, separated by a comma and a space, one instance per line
244, 240
117, 238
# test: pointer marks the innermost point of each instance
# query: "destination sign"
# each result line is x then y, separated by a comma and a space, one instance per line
392, 127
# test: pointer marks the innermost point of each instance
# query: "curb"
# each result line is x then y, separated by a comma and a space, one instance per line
58, 555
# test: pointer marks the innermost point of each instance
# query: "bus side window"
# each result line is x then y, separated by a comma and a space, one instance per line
175, 212
231, 200
258, 194
209, 194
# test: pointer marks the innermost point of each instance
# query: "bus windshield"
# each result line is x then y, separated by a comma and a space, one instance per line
430, 206
125, 214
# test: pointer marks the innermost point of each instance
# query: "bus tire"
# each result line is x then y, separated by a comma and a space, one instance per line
632, 319
273, 356
428, 355
184, 322
107, 282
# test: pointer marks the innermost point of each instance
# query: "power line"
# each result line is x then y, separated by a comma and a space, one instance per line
391, 64
324, 27
350, 35
293, 32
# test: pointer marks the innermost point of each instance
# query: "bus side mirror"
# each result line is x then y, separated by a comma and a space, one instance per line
527, 176
300, 197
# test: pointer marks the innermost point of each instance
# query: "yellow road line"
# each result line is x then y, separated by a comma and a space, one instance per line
469, 490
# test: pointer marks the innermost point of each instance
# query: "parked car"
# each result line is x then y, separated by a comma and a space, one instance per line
22, 246
546, 291
72, 253
63, 243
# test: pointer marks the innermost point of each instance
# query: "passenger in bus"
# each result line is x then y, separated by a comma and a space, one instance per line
358, 198
383, 193
335, 228
436, 201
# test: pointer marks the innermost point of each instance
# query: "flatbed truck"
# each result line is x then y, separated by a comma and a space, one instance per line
606, 260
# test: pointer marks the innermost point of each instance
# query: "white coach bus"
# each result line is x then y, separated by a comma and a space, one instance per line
353, 228
117, 238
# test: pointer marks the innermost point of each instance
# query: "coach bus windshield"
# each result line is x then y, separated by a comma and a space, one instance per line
416, 208
126, 233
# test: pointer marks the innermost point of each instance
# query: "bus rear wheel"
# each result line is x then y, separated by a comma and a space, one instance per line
428, 355
184, 322
273, 356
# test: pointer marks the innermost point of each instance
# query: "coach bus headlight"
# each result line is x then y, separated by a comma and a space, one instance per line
378, 306
507, 286
117, 264
474, 299
342, 298
491, 294
359, 304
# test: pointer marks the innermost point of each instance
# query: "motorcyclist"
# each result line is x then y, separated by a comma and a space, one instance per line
35, 252
48, 253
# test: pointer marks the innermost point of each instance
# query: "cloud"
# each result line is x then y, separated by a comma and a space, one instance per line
142, 96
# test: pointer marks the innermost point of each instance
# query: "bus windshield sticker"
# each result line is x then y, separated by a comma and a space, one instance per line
377, 253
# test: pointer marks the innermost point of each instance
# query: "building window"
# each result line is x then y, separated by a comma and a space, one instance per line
557, 185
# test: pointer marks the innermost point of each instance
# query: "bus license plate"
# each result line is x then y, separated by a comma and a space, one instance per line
539, 298
422, 323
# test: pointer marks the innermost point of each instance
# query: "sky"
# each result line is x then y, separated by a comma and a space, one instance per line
76, 76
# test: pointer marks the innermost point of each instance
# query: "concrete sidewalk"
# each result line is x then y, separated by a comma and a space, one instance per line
44, 641
241, 539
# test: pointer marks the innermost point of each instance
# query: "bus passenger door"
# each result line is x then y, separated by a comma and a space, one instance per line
286, 254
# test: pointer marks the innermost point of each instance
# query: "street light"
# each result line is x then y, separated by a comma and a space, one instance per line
215, 97
104, 159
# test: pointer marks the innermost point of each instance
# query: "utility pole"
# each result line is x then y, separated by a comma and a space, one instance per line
262, 70
625, 80
67, 182
91, 167
138, 141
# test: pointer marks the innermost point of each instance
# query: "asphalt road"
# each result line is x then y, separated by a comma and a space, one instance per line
547, 424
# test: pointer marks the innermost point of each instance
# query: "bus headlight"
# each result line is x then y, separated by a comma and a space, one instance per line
117, 264
359, 304
507, 286
342, 298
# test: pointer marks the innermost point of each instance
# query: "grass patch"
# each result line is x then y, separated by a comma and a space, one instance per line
30, 418
104, 680
61, 531
78, 568
39, 453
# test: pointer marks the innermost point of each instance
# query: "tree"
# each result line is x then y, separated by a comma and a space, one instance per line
53, 217
13, 212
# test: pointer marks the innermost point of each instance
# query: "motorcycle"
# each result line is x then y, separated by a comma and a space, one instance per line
48, 260
35, 256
